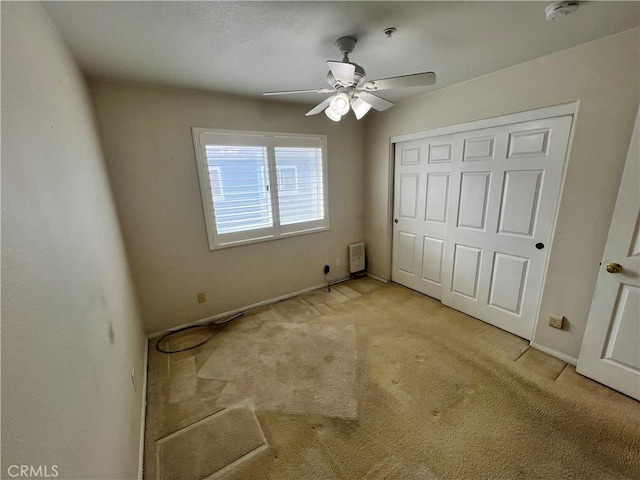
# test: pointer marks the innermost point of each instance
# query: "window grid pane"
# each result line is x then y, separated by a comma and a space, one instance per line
241, 173
300, 184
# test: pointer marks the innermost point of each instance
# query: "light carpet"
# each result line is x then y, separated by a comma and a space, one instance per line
440, 395
298, 368
227, 437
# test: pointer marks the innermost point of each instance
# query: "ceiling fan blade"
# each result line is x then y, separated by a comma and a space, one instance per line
319, 108
415, 80
376, 102
317, 90
343, 72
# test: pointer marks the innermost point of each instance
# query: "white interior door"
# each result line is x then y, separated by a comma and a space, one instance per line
421, 209
474, 211
504, 196
610, 350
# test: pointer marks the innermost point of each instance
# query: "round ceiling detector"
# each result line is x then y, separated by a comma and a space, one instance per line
560, 9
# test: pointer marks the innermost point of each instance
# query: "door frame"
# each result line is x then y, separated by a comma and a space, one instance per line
516, 117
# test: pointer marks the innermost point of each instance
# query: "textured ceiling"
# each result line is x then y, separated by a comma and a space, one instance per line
247, 48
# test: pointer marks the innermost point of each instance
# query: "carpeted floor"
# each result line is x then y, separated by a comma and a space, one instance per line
374, 381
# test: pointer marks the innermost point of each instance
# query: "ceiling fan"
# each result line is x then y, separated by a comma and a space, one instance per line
351, 91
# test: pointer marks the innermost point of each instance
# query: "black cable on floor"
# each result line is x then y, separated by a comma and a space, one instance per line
224, 324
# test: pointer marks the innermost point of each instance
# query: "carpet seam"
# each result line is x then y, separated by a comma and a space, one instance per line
563, 369
520, 356
314, 308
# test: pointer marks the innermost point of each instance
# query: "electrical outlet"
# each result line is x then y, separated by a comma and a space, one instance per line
338, 262
555, 321
202, 297
133, 379
326, 269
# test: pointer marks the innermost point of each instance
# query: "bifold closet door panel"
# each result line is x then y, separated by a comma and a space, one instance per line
504, 197
473, 217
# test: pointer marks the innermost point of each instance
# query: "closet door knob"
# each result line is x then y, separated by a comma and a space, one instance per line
395, 221
614, 268
539, 245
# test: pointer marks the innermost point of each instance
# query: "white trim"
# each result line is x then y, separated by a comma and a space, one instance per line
144, 410
229, 313
554, 353
375, 277
517, 117
338, 280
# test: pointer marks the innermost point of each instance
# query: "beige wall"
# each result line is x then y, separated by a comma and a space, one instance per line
147, 139
604, 77
71, 332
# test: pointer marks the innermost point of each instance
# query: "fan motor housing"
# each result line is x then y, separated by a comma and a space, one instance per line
358, 78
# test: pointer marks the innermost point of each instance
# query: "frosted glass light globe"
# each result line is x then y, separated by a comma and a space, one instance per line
340, 104
332, 115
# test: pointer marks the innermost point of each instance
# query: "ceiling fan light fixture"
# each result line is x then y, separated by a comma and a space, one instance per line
339, 104
360, 107
332, 115
350, 90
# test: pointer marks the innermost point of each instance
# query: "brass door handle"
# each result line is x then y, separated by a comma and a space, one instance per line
614, 268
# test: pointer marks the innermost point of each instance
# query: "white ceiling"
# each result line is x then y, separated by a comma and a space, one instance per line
247, 48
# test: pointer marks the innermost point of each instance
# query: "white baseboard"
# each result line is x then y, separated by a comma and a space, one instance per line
220, 316
554, 353
375, 277
337, 280
144, 409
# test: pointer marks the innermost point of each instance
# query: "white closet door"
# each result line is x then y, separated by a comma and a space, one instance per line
421, 209
504, 193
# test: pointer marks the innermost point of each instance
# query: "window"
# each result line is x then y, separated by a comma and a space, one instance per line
260, 186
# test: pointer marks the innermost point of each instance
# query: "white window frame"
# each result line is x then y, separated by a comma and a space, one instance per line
212, 136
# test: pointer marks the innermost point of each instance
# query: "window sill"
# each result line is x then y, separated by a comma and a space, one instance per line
282, 236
